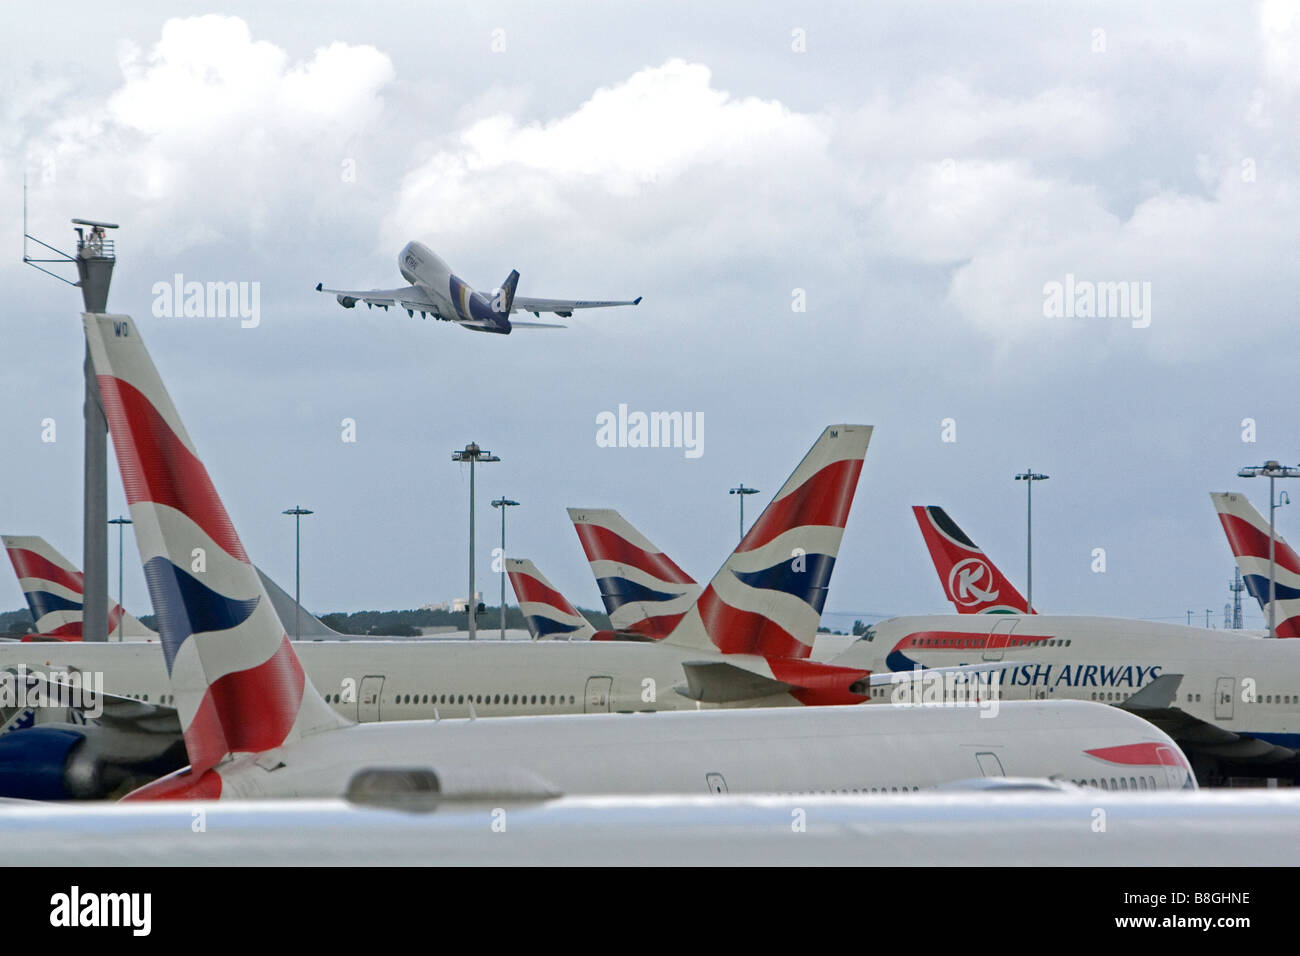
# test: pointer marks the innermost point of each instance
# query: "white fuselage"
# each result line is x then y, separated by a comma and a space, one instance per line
383, 680
845, 749
422, 267
1247, 686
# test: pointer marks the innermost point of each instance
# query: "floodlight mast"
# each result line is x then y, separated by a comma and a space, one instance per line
94, 260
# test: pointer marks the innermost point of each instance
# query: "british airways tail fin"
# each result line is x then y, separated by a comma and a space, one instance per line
54, 589
767, 597
644, 591
546, 611
238, 684
1247, 532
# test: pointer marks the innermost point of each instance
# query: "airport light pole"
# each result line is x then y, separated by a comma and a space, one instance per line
297, 514
473, 454
1272, 471
1029, 477
740, 491
119, 521
503, 503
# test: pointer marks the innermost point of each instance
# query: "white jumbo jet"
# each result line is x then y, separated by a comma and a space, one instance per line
255, 726
435, 290
1231, 703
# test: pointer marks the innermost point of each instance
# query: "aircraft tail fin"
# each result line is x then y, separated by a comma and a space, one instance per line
767, 597
238, 684
644, 591
1247, 532
55, 593
505, 297
970, 580
548, 613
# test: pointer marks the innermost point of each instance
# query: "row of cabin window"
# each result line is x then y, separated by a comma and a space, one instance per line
802, 793
1276, 699
511, 700
976, 642
1121, 783
162, 698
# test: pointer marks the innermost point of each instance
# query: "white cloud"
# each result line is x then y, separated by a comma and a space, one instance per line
647, 142
208, 112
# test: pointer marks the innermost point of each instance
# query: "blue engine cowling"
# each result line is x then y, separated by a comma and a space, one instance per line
40, 764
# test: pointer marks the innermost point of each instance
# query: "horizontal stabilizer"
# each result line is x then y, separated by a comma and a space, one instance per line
718, 682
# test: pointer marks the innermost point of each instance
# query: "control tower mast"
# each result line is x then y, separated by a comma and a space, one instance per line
94, 260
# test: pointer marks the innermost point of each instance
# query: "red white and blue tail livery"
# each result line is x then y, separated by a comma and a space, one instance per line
238, 685
762, 608
548, 613
1247, 532
970, 580
767, 598
55, 593
643, 589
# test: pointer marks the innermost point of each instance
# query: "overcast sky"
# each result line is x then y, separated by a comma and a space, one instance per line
916, 173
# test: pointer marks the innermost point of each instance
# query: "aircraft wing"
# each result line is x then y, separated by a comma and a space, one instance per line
562, 307
124, 713
1156, 703
407, 297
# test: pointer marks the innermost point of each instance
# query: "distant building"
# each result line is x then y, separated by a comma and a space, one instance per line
458, 604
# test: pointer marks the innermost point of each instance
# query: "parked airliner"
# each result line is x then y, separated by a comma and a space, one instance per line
435, 290
1233, 704
254, 724
746, 644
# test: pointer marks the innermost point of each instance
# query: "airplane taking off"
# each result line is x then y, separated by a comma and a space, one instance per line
971, 582
55, 593
435, 290
1248, 532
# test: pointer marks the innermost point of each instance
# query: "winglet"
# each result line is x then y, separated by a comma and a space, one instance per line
637, 300
320, 286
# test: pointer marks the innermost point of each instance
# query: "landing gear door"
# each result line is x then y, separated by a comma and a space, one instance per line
368, 697
998, 638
